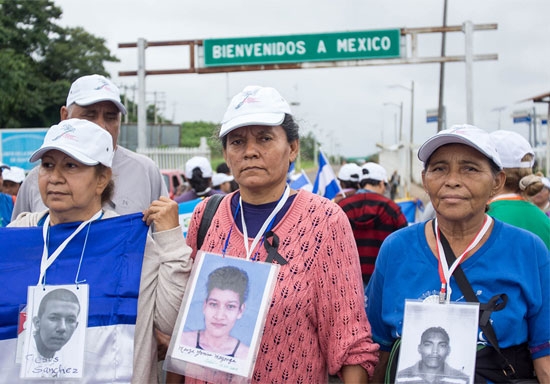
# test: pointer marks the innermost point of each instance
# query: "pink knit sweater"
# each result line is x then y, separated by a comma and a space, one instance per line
317, 321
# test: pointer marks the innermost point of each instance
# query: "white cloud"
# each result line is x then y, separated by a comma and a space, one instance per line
343, 105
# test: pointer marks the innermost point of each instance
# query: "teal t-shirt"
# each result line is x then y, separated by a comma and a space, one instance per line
522, 214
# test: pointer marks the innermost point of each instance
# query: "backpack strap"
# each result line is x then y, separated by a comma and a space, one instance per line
209, 211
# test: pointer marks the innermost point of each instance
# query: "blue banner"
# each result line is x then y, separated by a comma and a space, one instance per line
111, 253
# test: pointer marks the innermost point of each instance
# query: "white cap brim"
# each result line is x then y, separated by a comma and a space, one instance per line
77, 155
432, 144
269, 119
93, 100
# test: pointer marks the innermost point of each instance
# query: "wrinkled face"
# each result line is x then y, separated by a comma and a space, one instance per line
57, 324
221, 310
460, 182
259, 156
105, 114
71, 190
434, 350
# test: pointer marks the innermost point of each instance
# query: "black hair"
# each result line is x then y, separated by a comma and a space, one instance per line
198, 182
223, 168
60, 294
229, 278
433, 330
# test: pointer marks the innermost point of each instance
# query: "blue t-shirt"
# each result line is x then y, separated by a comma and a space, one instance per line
6, 209
511, 261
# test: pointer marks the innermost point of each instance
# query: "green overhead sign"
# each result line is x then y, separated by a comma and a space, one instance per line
382, 44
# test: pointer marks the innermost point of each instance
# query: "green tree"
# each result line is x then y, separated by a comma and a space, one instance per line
191, 133
40, 60
307, 146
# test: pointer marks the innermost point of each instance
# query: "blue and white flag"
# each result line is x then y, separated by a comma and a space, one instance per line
301, 181
185, 211
326, 183
290, 172
108, 259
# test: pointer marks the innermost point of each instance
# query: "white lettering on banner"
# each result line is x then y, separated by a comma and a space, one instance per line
362, 44
279, 48
321, 47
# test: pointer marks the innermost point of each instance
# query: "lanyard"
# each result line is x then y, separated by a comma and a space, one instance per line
46, 261
267, 222
445, 272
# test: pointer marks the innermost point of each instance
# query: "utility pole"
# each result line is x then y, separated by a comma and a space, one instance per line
442, 72
142, 105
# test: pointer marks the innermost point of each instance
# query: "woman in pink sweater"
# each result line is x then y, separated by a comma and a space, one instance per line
316, 324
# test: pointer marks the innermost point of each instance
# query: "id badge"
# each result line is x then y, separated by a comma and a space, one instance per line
21, 332
56, 321
438, 343
221, 319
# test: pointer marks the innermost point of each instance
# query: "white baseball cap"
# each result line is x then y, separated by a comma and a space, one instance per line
349, 172
374, 171
82, 140
220, 178
198, 162
91, 89
15, 174
254, 105
461, 134
511, 148
546, 182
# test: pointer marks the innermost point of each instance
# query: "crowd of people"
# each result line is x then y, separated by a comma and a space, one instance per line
347, 266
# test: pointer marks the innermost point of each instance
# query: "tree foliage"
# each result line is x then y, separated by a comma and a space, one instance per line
40, 60
191, 133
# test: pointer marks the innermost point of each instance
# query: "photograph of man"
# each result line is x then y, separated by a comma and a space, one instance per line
225, 303
55, 323
432, 368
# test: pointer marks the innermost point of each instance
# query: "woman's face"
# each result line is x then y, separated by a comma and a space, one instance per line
259, 156
71, 190
460, 182
221, 310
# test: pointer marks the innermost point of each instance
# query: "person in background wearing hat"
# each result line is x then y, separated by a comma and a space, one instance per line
138, 180
13, 178
542, 199
223, 168
198, 173
222, 182
462, 171
348, 176
6, 200
75, 180
372, 215
316, 324
511, 204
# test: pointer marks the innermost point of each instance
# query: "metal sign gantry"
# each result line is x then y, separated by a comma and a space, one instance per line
408, 35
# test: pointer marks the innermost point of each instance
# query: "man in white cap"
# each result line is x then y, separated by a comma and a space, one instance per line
372, 215
348, 176
13, 178
138, 181
6, 201
512, 204
2, 168
222, 182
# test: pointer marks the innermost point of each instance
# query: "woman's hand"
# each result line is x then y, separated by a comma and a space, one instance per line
163, 213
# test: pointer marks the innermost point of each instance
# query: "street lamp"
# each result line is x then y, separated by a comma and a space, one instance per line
411, 137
